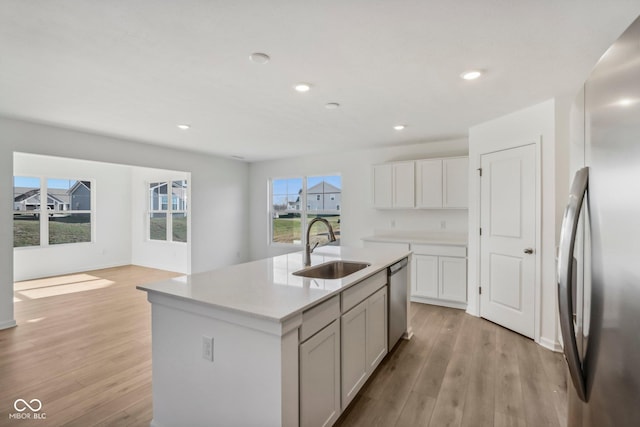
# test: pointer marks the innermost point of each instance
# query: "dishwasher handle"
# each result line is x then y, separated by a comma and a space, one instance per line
398, 266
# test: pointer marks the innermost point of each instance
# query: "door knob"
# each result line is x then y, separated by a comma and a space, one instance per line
528, 251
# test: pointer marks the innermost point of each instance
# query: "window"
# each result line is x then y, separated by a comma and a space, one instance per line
67, 209
168, 211
295, 201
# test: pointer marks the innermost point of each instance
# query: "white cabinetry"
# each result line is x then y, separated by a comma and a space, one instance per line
382, 186
455, 173
364, 335
320, 377
442, 183
429, 183
403, 185
426, 184
394, 185
439, 275
426, 268
320, 364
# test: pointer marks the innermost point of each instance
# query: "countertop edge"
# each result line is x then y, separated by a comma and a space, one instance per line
415, 240
298, 311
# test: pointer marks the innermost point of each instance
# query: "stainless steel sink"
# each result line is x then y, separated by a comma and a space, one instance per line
332, 269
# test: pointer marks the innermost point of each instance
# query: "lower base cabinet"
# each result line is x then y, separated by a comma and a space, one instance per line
364, 342
337, 359
320, 377
439, 275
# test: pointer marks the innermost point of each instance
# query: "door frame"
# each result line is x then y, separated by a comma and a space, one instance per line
537, 283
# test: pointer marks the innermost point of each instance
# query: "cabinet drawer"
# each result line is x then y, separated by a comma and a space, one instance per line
360, 291
440, 250
319, 316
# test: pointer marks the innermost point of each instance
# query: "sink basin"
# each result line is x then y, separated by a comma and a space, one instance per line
332, 269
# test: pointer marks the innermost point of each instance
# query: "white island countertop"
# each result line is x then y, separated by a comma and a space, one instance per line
267, 288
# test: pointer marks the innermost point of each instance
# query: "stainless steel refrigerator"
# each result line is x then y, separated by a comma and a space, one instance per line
599, 256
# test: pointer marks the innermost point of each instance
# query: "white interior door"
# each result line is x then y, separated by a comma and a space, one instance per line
507, 241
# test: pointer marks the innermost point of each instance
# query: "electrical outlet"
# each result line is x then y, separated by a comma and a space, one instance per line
207, 348
443, 225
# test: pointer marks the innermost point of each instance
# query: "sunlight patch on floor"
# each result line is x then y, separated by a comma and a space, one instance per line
53, 281
62, 289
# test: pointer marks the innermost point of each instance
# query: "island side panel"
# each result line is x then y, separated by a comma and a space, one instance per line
243, 385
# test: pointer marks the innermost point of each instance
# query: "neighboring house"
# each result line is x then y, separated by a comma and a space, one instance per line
28, 199
324, 197
160, 199
80, 195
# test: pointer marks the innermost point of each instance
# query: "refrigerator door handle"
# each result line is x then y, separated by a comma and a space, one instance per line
565, 278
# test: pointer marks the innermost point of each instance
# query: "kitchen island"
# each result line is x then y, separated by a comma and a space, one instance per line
255, 345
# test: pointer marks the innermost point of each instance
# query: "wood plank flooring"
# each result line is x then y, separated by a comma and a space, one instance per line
83, 347
460, 370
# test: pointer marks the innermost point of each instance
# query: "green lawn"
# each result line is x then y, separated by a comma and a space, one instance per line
158, 229
26, 231
286, 230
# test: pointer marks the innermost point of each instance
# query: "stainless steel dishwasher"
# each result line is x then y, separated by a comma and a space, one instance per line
398, 286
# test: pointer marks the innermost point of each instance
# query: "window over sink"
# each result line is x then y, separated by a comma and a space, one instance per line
295, 201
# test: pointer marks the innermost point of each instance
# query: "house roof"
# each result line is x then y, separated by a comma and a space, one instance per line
31, 192
78, 184
323, 187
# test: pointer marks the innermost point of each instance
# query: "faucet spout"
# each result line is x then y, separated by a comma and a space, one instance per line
308, 249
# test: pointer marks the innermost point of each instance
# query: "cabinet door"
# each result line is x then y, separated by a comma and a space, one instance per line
404, 185
456, 182
354, 353
382, 186
376, 328
453, 279
429, 183
425, 276
320, 377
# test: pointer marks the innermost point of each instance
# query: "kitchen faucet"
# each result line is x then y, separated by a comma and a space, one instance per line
308, 249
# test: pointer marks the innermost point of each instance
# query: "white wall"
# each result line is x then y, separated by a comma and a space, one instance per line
219, 191
536, 123
172, 256
358, 217
111, 242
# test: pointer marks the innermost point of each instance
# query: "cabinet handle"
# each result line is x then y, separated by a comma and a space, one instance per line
528, 251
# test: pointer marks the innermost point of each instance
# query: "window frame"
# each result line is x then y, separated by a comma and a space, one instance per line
169, 211
304, 210
44, 225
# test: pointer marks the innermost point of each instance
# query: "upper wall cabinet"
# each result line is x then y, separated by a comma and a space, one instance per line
394, 185
426, 184
442, 183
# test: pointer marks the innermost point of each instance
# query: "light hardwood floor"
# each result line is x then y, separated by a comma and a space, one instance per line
83, 347
459, 370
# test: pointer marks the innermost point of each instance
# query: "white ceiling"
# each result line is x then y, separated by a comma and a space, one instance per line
136, 69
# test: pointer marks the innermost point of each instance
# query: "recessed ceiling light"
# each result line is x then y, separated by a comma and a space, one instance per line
302, 87
184, 127
625, 102
471, 74
332, 105
259, 58
399, 127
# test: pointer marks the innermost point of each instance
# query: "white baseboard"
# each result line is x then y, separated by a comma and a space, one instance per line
7, 324
434, 301
550, 344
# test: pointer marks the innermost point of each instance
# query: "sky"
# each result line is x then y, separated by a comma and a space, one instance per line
294, 185
31, 182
